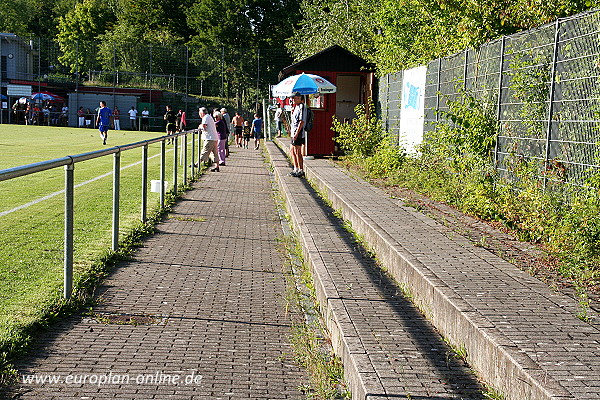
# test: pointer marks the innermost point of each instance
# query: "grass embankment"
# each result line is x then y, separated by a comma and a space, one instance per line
31, 238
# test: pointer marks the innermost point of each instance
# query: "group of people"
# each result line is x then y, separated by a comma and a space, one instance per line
88, 119
216, 129
39, 114
244, 130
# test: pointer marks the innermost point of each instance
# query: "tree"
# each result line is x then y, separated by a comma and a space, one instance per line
79, 31
228, 34
349, 24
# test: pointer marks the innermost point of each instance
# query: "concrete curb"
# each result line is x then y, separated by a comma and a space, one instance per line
358, 369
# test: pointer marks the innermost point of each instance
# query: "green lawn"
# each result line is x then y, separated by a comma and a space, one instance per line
31, 239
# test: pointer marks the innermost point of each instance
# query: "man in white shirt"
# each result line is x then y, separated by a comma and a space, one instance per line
145, 119
210, 138
133, 118
278, 115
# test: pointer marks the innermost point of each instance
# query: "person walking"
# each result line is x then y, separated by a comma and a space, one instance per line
210, 138
223, 132
247, 130
238, 128
103, 121
171, 127
297, 134
257, 124
133, 118
117, 118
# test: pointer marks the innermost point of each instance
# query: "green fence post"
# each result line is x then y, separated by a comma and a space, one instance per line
68, 262
116, 195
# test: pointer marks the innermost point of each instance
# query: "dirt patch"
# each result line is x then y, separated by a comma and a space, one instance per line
128, 319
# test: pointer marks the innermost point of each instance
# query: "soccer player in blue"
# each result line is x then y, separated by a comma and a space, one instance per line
103, 120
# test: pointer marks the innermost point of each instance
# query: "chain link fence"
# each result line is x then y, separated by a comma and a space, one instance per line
181, 75
542, 86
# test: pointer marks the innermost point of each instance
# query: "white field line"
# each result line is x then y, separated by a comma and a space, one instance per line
3, 213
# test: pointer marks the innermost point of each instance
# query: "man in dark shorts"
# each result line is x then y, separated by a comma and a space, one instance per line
103, 121
297, 134
171, 118
238, 127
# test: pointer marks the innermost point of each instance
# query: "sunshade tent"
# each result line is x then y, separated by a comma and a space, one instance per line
304, 84
46, 96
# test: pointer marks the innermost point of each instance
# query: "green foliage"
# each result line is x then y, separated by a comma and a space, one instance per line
77, 31
399, 34
349, 24
529, 74
454, 166
361, 136
364, 140
467, 131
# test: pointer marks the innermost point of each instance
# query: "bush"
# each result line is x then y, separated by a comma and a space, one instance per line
361, 137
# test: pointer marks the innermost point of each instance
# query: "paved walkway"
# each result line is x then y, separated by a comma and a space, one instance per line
207, 296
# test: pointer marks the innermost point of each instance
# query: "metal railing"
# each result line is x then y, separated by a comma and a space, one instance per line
69, 162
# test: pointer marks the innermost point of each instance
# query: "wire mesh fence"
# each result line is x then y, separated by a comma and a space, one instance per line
181, 74
543, 87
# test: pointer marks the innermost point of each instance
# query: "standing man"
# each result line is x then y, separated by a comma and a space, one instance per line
64, 116
297, 134
146, 119
278, 115
103, 120
117, 118
80, 117
133, 118
210, 138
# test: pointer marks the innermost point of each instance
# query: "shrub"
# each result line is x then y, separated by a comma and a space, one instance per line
361, 137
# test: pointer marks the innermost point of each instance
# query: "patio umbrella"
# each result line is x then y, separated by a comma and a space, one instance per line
303, 83
46, 96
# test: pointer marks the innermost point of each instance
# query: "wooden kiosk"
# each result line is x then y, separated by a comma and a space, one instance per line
354, 78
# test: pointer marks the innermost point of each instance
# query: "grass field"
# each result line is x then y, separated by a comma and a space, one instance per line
31, 238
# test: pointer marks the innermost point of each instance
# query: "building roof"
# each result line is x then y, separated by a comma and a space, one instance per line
334, 58
14, 38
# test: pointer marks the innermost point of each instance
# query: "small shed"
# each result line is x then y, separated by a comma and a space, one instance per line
354, 78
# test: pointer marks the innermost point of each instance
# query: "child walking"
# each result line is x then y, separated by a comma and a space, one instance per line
247, 133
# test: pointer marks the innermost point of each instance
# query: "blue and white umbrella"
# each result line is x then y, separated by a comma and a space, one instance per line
304, 84
46, 96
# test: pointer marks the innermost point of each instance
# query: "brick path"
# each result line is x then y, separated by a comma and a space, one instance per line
208, 290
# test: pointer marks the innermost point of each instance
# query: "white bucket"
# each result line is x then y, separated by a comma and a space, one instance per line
155, 186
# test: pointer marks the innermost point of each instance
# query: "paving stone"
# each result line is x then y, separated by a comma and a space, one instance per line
212, 279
